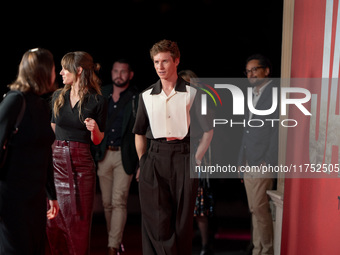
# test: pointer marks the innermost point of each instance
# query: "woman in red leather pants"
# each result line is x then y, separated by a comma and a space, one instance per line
78, 118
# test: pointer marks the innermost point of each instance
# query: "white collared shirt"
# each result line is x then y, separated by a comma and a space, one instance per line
169, 116
160, 116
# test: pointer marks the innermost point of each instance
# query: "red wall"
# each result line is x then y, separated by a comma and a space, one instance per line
311, 217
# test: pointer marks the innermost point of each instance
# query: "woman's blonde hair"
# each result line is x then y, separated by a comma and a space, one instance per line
35, 72
89, 82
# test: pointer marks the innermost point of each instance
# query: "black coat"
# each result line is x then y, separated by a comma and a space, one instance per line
26, 175
261, 143
128, 148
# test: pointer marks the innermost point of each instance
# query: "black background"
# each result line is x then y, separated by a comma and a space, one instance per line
214, 37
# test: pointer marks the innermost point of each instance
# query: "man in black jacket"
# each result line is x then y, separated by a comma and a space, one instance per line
116, 155
259, 148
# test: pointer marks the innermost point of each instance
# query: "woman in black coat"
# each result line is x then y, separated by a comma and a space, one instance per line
27, 175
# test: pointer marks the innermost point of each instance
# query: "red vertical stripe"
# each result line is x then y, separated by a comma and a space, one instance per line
311, 218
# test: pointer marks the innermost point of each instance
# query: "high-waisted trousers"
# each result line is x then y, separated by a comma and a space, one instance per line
167, 198
74, 175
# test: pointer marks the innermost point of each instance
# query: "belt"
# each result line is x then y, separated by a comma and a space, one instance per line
113, 148
71, 144
157, 146
164, 140
66, 148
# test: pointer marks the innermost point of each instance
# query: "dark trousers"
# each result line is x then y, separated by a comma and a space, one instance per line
167, 197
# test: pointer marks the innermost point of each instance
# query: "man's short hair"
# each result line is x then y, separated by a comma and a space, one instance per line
124, 61
165, 46
263, 61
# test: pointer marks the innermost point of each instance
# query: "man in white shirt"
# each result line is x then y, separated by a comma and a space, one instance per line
167, 193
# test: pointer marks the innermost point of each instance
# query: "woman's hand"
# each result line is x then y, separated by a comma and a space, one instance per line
54, 209
96, 135
137, 174
91, 125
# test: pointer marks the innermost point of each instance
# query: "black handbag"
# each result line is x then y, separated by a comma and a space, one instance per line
4, 146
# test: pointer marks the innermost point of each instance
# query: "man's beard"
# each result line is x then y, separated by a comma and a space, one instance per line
121, 84
257, 81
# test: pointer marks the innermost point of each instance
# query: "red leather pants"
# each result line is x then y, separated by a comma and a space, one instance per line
74, 174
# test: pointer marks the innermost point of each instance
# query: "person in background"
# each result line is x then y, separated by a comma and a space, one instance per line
167, 193
116, 155
204, 199
259, 147
78, 119
27, 174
